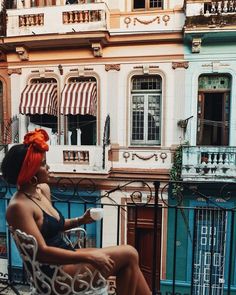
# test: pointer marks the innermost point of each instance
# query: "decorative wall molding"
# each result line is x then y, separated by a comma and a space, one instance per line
166, 19
81, 70
183, 64
147, 22
14, 71
196, 45
132, 155
42, 72
163, 156
22, 53
112, 67
129, 20
215, 66
97, 49
144, 158
146, 68
126, 155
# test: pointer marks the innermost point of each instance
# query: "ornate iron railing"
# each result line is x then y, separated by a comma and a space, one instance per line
190, 227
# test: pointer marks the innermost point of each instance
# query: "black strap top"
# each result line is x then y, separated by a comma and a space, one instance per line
52, 228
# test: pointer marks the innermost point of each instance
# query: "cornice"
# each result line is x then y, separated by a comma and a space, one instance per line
77, 40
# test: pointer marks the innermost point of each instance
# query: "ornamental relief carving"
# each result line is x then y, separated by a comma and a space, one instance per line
14, 71
112, 67
155, 156
184, 64
157, 19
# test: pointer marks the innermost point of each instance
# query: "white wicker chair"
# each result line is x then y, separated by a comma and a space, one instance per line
59, 283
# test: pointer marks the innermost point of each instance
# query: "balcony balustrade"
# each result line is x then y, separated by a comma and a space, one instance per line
210, 7
214, 7
57, 19
210, 14
71, 159
31, 20
78, 157
84, 16
209, 163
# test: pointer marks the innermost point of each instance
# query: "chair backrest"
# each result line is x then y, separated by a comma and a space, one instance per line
51, 279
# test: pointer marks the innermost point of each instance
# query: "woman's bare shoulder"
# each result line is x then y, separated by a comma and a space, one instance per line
19, 207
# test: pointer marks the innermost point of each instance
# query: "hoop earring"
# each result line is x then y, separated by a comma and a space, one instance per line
34, 181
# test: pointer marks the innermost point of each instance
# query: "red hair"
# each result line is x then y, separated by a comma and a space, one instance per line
36, 140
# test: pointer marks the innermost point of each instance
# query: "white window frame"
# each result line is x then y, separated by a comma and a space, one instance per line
146, 94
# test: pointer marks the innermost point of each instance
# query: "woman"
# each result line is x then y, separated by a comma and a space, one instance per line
31, 211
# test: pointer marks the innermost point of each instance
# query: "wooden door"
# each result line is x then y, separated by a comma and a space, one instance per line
140, 234
213, 118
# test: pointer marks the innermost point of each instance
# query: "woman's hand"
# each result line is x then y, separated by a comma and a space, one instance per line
102, 262
86, 218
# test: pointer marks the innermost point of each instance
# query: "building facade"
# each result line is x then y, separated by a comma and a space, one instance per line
119, 85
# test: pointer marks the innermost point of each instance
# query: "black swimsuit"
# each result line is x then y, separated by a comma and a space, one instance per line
52, 229
52, 232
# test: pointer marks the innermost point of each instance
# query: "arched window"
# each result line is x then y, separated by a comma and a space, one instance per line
146, 95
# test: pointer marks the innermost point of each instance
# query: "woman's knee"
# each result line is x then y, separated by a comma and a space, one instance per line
132, 254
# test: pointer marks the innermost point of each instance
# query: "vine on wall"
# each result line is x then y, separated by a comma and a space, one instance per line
175, 172
177, 187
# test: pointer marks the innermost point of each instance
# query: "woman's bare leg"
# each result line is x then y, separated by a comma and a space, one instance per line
129, 278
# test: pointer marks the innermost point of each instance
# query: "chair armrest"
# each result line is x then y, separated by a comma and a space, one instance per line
75, 237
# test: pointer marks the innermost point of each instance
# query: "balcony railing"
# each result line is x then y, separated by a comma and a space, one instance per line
210, 14
71, 159
57, 19
75, 157
180, 244
209, 163
210, 7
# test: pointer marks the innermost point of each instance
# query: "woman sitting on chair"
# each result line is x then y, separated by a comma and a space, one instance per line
30, 210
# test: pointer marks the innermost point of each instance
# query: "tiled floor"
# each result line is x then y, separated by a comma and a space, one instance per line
23, 290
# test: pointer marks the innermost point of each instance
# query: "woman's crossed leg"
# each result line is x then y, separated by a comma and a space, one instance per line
129, 278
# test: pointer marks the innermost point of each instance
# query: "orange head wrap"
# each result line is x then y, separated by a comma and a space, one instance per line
36, 140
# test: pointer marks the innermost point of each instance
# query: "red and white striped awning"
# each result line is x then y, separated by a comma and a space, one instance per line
39, 98
79, 98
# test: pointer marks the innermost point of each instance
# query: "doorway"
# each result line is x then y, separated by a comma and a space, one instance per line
213, 118
209, 251
140, 234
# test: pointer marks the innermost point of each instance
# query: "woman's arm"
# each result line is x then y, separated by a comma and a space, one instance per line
20, 218
78, 221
